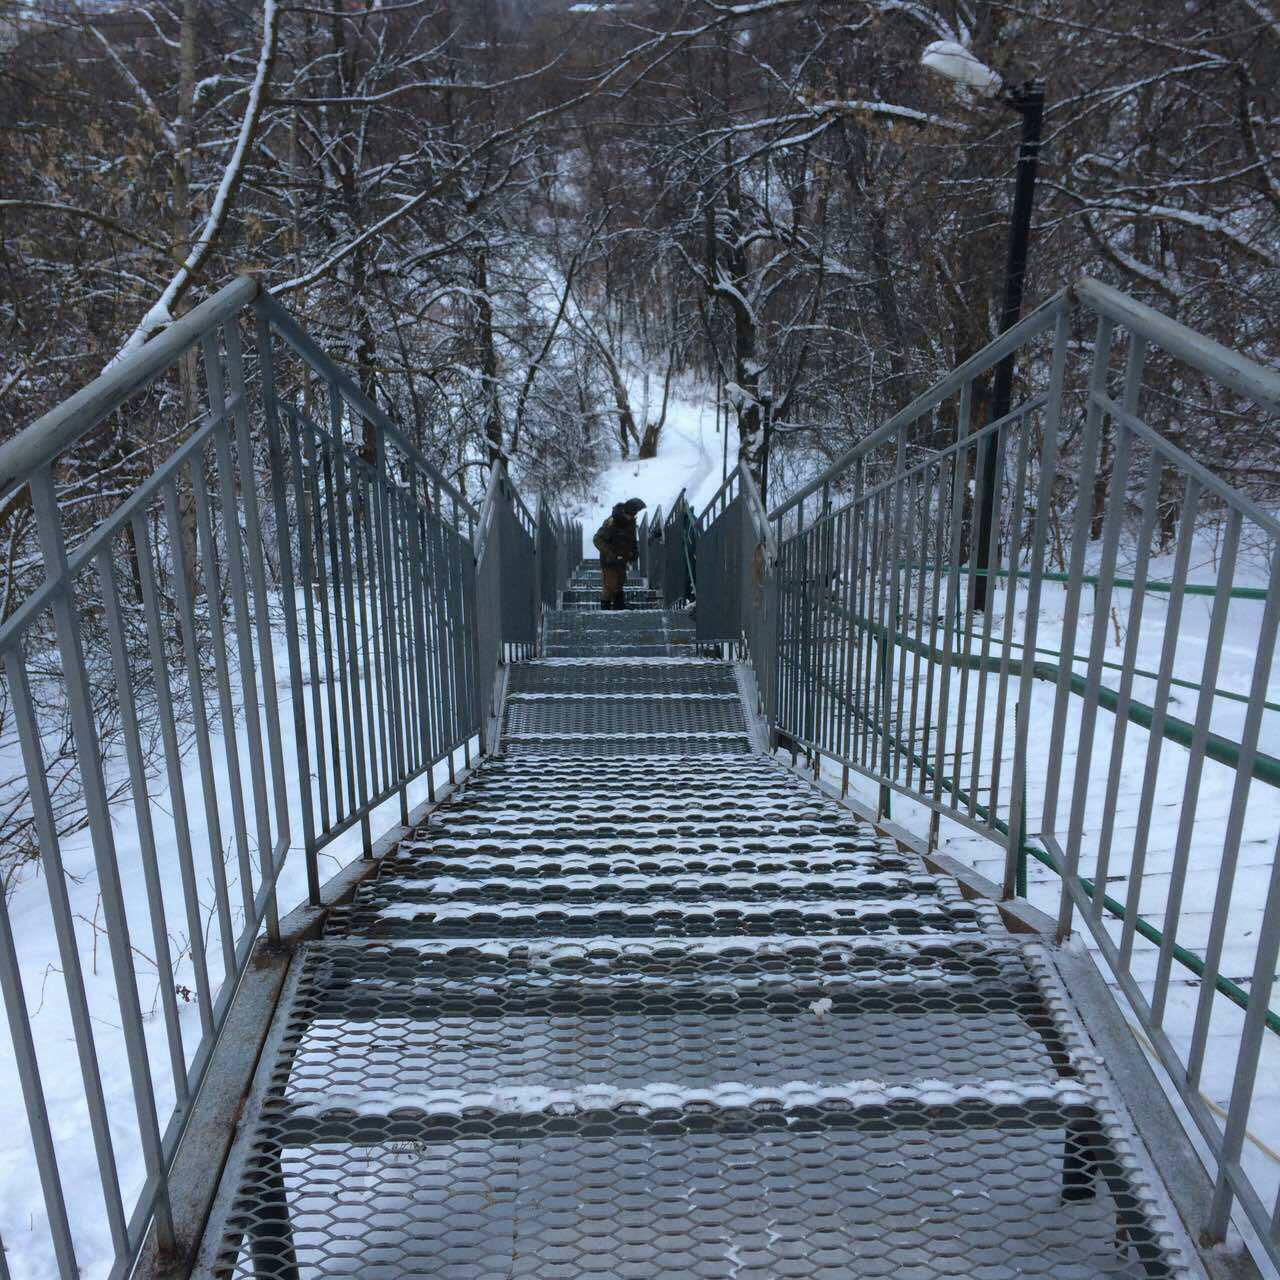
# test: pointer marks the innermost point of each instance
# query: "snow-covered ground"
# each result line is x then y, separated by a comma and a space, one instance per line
690, 458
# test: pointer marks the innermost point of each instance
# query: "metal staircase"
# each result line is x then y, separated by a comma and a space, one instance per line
637, 1002
632, 998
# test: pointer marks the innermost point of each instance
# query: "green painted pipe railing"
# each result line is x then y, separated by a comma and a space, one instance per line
1092, 580
1266, 769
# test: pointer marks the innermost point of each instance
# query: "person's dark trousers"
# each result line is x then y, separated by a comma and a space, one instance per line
613, 593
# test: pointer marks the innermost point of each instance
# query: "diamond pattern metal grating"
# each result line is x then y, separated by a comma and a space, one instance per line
647, 1017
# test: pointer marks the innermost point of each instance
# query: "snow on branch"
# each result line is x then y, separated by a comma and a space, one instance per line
1265, 15
1210, 225
148, 103
89, 215
161, 312
885, 110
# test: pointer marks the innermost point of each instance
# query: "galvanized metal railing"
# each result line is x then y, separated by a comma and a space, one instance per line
559, 552
276, 623
1046, 724
677, 568
649, 540
737, 584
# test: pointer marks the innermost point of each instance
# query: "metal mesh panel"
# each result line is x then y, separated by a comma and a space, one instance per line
686, 1202
603, 649
636, 597
651, 745
621, 678
636, 626
675, 716
657, 1128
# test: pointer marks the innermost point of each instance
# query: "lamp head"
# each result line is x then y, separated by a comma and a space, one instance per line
954, 62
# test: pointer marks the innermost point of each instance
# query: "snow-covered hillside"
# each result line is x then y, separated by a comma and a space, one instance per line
690, 458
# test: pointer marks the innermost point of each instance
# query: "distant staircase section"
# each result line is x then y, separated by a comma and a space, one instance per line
583, 591
643, 630
622, 683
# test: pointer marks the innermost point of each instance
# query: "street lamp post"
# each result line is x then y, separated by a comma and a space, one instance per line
957, 64
1027, 99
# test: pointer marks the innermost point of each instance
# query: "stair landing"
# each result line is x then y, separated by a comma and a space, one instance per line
639, 1002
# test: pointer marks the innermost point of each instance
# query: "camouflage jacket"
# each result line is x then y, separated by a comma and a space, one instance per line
615, 540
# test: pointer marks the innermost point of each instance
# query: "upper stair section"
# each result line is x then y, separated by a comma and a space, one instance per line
621, 683
643, 630
583, 591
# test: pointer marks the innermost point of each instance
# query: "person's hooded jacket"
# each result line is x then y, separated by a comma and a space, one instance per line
615, 540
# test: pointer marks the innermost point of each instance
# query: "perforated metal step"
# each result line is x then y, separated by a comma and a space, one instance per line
618, 706
616, 1013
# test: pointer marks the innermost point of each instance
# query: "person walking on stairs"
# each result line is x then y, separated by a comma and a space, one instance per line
615, 540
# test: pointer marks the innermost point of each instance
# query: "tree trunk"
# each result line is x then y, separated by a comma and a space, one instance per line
487, 357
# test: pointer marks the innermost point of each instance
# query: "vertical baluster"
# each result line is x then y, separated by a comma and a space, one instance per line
1250, 731
184, 596
315, 446
959, 484
173, 767
1159, 714
1071, 612
1039, 537
261, 603
64, 930
136, 759
98, 812
974, 448
226, 705
1195, 763
280, 458
363, 643
1017, 504
990, 569
244, 629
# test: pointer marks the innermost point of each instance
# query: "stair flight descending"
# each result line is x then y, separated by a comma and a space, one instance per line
640, 1002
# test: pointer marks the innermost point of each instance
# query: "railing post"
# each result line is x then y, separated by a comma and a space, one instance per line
288, 588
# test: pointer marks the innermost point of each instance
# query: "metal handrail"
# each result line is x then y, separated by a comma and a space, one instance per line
53, 434
391, 593
879, 657
1031, 326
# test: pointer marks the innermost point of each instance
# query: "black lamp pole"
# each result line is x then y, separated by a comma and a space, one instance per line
1028, 101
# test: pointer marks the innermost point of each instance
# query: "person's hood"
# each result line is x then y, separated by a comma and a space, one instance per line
634, 506
620, 512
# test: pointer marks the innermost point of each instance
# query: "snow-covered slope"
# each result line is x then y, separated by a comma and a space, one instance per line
689, 458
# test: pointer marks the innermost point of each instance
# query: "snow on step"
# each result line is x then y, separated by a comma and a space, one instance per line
514, 1099
524, 866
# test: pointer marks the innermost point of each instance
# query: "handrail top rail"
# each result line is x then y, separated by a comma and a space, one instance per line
38, 444
1238, 372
